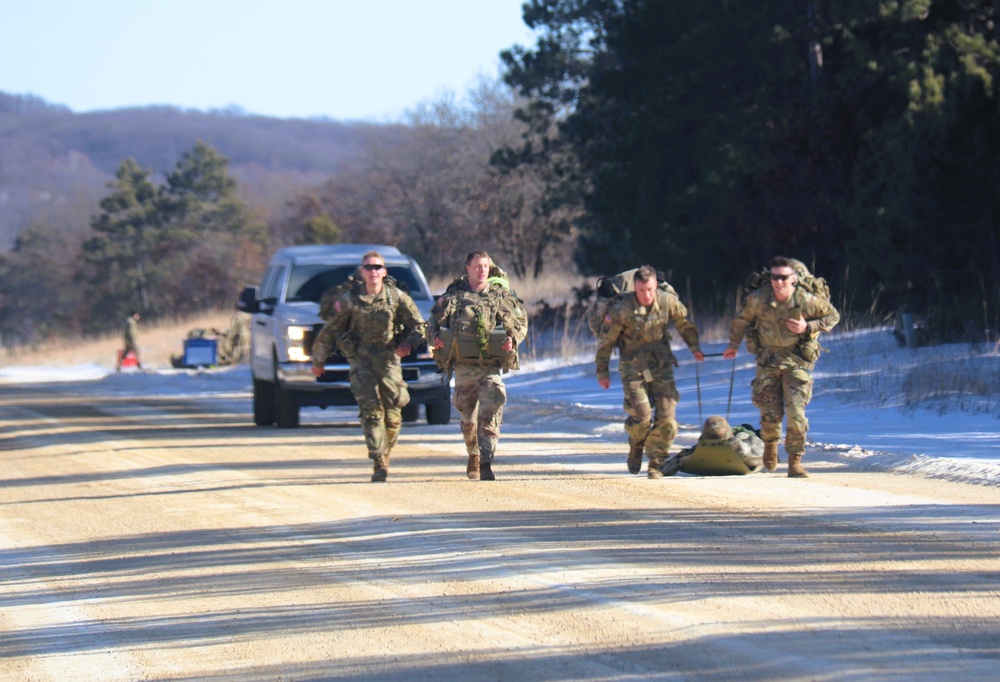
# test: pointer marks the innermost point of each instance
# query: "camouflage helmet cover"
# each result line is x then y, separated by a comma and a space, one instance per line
716, 428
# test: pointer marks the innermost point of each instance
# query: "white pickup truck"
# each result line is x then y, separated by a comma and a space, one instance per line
285, 309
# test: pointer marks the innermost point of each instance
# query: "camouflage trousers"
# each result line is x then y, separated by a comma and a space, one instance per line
651, 407
783, 392
479, 398
378, 386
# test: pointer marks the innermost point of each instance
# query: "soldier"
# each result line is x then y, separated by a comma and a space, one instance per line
741, 441
786, 320
636, 324
483, 322
367, 320
131, 339
234, 344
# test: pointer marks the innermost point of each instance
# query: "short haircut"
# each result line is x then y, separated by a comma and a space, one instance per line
372, 254
782, 262
645, 273
477, 254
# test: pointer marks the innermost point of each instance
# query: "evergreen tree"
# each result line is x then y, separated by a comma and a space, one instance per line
119, 262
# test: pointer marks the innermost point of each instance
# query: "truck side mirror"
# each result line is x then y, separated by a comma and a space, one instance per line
248, 302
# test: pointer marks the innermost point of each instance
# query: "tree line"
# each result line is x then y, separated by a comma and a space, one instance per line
192, 242
860, 136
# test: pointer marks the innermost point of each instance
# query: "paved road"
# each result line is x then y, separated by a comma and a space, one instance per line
167, 538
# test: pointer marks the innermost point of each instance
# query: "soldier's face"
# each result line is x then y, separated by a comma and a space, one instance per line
782, 282
645, 292
478, 270
373, 270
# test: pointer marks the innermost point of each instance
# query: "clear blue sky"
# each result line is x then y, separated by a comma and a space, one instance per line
344, 59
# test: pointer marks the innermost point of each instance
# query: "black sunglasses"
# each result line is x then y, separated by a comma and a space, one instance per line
372, 266
780, 278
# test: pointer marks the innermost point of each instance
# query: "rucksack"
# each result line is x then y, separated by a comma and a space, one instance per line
609, 288
816, 286
808, 348
491, 340
330, 297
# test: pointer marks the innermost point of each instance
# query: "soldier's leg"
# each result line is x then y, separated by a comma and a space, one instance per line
797, 391
768, 397
638, 422
466, 400
394, 396
492, 398
364, 386
664, 427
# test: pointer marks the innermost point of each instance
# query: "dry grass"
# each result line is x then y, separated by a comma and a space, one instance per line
158, 342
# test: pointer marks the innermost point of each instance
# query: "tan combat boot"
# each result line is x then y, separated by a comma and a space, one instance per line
795, 468
635, 459
771, 456
472, 468
655, 468
380, 468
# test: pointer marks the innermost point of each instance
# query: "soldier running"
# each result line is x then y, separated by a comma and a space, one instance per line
637, 324
366, 323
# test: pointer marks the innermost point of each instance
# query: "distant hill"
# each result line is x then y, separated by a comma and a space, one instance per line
54, 163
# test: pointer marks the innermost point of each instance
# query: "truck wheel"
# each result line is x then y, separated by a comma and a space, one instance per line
439, 413
288, 410
411, 412
263, 403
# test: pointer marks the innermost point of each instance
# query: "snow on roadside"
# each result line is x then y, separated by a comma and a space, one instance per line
850, 426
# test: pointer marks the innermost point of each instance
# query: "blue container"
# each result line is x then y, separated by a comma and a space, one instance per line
199, 352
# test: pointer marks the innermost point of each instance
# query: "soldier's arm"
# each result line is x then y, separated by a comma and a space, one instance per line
408, 315
326, 340
822, 316
440, 314
686, 328
741, 324
512, 318
611, 331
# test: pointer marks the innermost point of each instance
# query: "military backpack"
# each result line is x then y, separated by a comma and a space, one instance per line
609, 288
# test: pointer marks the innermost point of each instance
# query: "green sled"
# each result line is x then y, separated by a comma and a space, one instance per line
715, 460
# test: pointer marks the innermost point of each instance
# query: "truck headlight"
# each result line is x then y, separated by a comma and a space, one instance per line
296, 343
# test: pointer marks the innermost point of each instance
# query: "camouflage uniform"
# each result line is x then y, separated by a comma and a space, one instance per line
783, 384
132, 336
365, 331
479, 393
646, 365
234, 344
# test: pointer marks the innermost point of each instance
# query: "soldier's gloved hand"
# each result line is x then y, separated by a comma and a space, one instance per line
508, 344
604, 383
438, 343
317, 371
699, 356
403, 349
729, 353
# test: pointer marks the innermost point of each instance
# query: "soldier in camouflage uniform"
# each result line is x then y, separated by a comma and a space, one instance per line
716, 430
786, 321
367, 322
475, 308
130, 337
637, 324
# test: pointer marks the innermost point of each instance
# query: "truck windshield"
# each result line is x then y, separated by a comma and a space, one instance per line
310, 282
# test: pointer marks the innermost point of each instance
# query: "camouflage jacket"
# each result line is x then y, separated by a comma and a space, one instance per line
370, 325
468, 314
642, 336
766, 316
131, 333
